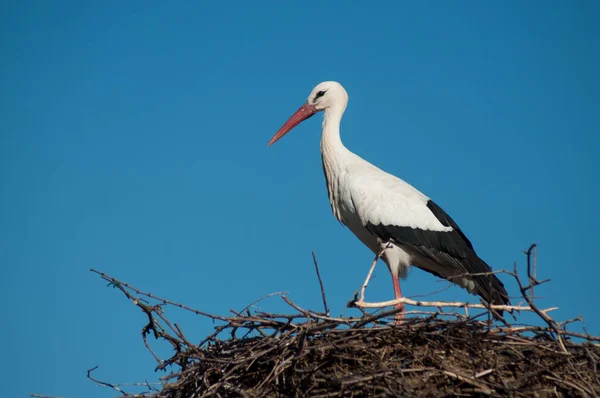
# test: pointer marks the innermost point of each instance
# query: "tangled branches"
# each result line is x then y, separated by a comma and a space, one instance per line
310, 353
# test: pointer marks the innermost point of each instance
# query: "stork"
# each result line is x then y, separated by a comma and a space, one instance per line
388, 214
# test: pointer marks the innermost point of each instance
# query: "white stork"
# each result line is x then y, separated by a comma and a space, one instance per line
380, 208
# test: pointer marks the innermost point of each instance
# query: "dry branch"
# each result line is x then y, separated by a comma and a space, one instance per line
320, 283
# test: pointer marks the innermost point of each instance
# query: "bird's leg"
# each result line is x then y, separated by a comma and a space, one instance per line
399, 317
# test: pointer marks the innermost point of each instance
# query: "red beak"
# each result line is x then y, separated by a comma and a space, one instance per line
301, 114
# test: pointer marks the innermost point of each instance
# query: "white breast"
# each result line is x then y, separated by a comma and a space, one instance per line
348, 194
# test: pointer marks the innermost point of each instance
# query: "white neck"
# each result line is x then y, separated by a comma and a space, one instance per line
331, 143
333, 154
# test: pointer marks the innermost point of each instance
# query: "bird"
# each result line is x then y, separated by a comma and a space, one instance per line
385, 212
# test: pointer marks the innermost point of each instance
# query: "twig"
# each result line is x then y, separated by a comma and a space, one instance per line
472, 382
118, 283
44, 396
532, 269
584, 391
563, 324
314, 315
443, 304
484, 373
156, 357
102, 383
320, 283
368, 278
262, 298
542, 314
594, 363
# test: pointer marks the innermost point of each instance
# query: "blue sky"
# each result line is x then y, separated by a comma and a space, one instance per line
133, 140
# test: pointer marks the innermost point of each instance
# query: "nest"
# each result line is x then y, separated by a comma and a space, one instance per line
308, 353
421, 358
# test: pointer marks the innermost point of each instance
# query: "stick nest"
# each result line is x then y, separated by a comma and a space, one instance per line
422, 358
308, 353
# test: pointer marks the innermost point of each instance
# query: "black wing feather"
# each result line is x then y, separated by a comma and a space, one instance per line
451, 249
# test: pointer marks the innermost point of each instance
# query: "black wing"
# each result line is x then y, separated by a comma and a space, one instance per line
447, 249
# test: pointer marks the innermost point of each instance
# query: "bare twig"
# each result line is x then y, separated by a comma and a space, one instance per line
262, 298
118, 284
469, 380
368, 278
531, 254
443, 304
541, 313
103, 383
44, 396
320, 283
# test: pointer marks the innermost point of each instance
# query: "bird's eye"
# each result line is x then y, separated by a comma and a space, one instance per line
319, 95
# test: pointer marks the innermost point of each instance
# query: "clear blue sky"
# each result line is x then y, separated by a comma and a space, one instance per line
133, 140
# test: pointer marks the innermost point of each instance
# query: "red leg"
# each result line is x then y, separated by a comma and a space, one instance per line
399, 318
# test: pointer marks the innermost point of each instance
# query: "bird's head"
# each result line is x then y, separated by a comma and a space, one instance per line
326, 95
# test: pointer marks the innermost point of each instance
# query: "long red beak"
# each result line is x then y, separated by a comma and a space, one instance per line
305, 111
